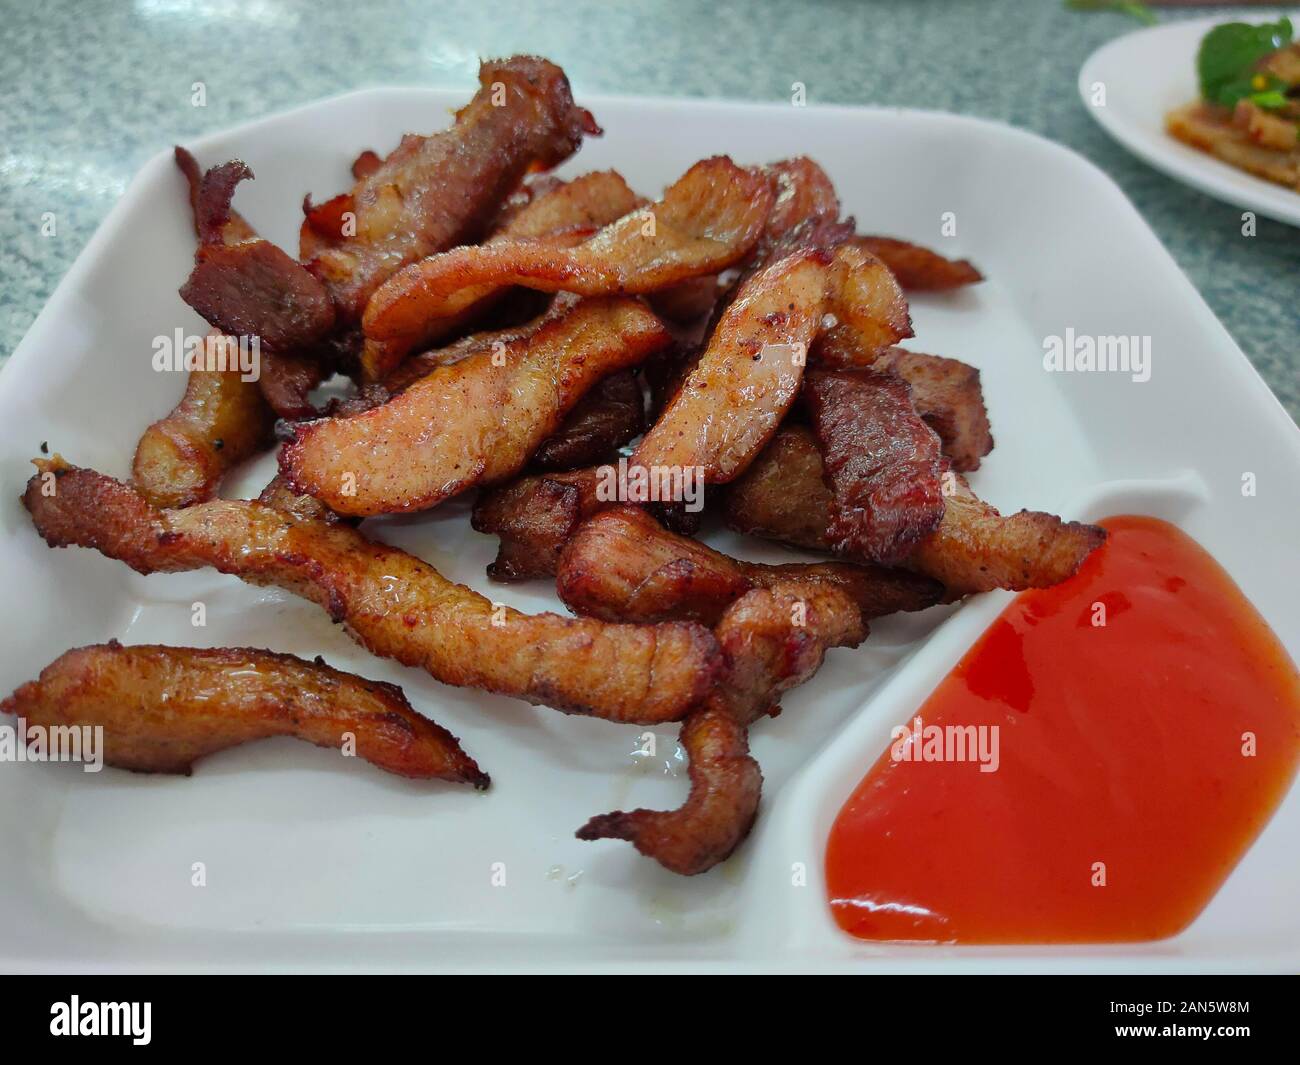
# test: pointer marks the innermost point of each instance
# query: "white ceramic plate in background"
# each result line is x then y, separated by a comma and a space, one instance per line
1150, 72
315, 865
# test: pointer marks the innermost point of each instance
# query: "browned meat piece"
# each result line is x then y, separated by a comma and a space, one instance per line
882, 463
534, 517
975, 549
766, 653
163, 708
247, 287
565, 214
621, 565
606, 418
432, 193
946, 393
733, 399
210, 195
254, 289
708, 220
919, 269
392, 603
220, 421
222, 418
726, 784
475, 422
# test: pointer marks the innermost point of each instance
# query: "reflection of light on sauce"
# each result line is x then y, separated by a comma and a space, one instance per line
1123, 755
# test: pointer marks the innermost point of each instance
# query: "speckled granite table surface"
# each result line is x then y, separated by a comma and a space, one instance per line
90, 89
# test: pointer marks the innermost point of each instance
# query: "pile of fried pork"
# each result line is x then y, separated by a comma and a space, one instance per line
519, 335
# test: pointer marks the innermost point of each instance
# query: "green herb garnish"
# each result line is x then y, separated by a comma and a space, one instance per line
1228, 56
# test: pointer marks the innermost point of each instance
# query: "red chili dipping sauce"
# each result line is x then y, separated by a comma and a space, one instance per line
1133, 730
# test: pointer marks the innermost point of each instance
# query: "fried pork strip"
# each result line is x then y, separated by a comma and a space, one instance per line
708, 220
621, 565
221, 419
603, 420
805, 215
475, 422
210, 195
534, 517
726, 784
947, 395
945, 392
163, 708
882, 463
919, 269
432, 193
373, 394
393, 604
767, 652
562, 215
245, 286
975, 549
610, 415
733, 398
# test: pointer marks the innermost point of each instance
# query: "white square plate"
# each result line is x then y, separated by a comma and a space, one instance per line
1147, 74
311, 865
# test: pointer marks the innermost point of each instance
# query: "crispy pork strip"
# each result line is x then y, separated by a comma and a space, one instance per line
254, 289
773, 639
919, 269
783, 496
250, 288
432, 193
244, 285
805, 201
210, 196
621, 565
376, 393
163, 708
220, 421
945, 392
603, 420
766, 653
708, 220
975, 549
534, 517
726, 784
882, 462
563, 215
417, 367
805, 214
733, 399
947, 395
475, 422
582, 205
393, 604
866, 301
